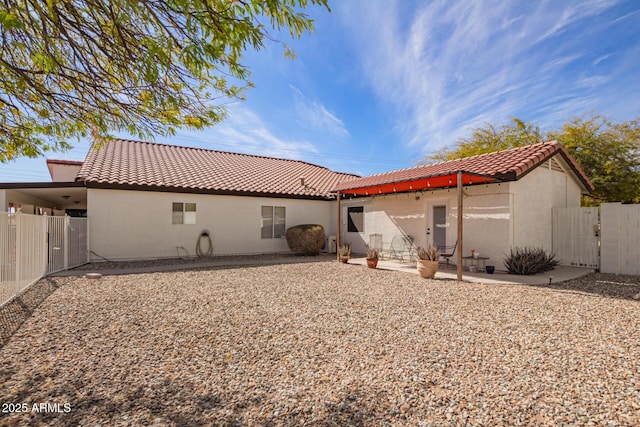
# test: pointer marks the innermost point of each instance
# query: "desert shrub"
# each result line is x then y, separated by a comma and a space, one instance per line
430, 253
305, 239
527, 261
372, 253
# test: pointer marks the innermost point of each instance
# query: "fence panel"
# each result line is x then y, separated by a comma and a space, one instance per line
575, 238
7, 257
630, 239
31, 249
23, 252
620, 238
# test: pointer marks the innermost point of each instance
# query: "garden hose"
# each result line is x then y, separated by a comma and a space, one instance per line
209, 252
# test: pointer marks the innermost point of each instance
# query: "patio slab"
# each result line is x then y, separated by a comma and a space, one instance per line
559, 274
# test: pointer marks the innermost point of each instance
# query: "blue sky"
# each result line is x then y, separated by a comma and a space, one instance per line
382, 83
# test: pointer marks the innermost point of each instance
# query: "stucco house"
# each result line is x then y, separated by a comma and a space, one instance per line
148, 200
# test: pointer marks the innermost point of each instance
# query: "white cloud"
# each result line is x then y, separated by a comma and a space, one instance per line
444, 66
244, 131
315, 115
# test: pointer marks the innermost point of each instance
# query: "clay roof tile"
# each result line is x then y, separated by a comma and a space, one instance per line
126, 163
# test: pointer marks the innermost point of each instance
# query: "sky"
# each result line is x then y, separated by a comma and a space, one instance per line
380, 84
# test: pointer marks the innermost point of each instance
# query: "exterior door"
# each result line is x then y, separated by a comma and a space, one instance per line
439, 225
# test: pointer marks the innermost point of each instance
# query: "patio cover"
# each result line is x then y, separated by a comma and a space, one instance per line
398, 182
389, 184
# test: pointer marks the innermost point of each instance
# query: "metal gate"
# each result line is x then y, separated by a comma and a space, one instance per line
67, 243
576, 240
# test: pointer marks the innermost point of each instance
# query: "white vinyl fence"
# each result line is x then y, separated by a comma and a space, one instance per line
608, 238
620, 238
32, 246
575, 236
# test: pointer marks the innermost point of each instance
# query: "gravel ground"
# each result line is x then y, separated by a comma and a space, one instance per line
324, 344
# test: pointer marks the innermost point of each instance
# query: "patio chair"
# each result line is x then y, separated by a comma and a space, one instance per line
447, 252
401, 245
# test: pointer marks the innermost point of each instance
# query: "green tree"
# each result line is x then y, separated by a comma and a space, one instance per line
92, 67
608, 153
489, 138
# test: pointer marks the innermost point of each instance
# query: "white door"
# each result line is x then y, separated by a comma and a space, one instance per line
439, 225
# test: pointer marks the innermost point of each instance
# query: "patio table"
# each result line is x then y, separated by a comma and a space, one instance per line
480, 262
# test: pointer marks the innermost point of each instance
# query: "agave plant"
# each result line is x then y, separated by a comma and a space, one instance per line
528, 261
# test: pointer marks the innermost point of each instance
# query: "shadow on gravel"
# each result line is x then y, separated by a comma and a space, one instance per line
604, 285
14, 313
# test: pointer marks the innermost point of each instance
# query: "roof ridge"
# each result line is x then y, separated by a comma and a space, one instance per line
128, 140
519, 148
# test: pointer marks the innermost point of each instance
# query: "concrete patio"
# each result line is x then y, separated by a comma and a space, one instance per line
558, 274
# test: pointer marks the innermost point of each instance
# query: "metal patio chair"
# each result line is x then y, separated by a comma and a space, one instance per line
447, 252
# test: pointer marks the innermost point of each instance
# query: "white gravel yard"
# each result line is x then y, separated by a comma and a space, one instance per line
322, 344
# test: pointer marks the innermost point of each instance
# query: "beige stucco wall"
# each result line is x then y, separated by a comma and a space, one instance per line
137, 224
534, 196
63, 172
487, 212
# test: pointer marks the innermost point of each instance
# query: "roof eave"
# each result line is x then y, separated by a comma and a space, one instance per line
48, 184
212, 191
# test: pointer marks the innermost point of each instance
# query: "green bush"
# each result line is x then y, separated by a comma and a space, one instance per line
305, 239
527, 261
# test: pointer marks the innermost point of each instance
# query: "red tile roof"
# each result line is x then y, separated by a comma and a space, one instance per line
505, 165
150, 166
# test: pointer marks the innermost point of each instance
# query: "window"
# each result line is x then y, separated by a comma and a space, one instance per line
355, 218
184, 213
273, 222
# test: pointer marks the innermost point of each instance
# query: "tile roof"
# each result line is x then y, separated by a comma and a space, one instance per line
160, 167
505, 165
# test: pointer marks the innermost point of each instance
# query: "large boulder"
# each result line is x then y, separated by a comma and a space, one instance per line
306, 239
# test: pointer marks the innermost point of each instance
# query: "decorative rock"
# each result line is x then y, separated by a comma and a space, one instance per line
318, 344
306, 239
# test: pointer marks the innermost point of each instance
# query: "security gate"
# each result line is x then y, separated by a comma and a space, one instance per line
67, 243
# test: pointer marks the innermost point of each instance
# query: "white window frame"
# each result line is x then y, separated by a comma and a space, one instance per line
183, 213
273, 222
